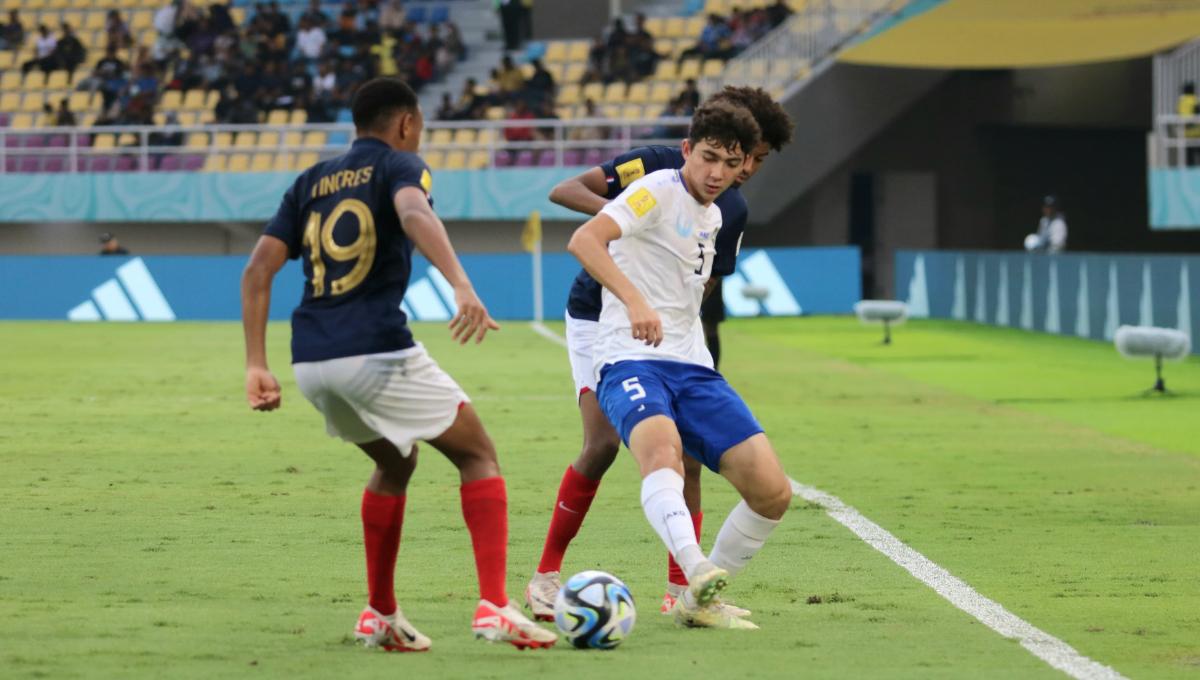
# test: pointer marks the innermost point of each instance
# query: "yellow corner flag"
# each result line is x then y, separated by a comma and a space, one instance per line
531, 235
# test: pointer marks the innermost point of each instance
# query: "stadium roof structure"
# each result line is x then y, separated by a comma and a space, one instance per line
985, 34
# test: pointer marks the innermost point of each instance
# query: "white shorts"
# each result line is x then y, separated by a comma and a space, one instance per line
581, 340
402, 396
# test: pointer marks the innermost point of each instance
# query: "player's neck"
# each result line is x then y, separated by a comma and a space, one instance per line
688, 188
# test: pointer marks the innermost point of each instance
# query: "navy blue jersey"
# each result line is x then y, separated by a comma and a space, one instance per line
583, 302
340, 216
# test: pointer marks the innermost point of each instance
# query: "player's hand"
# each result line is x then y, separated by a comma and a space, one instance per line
472, 318
645, 323
262, 389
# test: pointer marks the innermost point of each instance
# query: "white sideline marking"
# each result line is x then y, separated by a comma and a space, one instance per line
990, 613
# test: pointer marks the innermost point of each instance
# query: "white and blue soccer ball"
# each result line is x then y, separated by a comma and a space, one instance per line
594, 610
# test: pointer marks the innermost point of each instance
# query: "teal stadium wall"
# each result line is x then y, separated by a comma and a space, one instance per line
1086, 295
251, 196
1175, 198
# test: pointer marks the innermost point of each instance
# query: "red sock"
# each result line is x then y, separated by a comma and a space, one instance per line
485, 508
674, 573
382, 517
575, 494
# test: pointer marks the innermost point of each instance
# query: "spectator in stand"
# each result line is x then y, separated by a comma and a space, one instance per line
310, 41
221, 20
454, 41
520, 111
109, 245
69, 53
446, 110
12, 33
510, 21
109, 76
642, 54
43, 52
201, 38
468, 100
391, 17
674, 109
689, 98
116, 30
591, 132
315, 16
172, 137
714, 41
64, 116
509, 78
617, 34
540, 87
422, 70
384, 55
778, 13
325, 84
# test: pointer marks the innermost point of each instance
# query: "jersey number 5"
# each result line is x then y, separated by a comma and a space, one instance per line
318, 237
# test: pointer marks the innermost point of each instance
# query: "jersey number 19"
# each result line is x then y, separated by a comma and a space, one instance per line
318, 237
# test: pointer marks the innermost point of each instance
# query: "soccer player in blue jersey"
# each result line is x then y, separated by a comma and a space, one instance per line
589, 193
354, 220
652, 250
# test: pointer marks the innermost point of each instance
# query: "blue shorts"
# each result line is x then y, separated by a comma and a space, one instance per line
710, 416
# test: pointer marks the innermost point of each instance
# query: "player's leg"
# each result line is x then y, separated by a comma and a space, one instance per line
485, 509
581, 479
676, 580
755, 471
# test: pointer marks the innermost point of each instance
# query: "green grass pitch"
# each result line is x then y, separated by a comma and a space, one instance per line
151, 525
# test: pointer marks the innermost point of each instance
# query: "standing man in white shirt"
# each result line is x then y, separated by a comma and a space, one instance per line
1051, 234
652, 249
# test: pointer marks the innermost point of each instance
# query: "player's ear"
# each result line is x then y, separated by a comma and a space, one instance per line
686, 147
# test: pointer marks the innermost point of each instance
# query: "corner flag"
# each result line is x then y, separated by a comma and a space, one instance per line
531, 235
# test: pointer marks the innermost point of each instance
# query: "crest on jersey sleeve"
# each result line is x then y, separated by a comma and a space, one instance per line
630, 170
642, 201
426, 181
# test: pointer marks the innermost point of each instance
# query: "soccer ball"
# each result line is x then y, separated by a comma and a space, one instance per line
594, 610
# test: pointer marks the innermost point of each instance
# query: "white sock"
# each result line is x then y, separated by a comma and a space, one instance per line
741, 537
662, 500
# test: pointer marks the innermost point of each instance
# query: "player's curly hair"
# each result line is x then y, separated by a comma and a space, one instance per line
725, 125
774, 122
378, 100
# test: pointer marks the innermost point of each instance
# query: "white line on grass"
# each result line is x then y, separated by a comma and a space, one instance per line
990, 613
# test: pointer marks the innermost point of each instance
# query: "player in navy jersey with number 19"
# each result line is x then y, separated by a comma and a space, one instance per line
354, 220
589, 193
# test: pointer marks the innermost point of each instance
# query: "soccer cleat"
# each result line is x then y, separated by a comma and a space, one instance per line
708, 617
508, 624
707, 583
730, 608
391, 633
541, 593
674, 592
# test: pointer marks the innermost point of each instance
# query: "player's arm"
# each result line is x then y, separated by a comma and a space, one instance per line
589, 244
269, 256
428, 234
710, 285
585, 192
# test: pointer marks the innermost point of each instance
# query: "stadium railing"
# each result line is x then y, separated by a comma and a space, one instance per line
1171, 71
1173, 135
129, 148
785, 56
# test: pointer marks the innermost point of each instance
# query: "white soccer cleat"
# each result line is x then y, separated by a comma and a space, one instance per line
706, 584
541, 593
508, 624
708, 617
730, 608
391, 633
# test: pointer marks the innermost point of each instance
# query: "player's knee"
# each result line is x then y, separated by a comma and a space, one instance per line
775, 502
598, 455
659, 457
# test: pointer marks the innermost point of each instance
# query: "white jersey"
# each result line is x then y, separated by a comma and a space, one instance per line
666, 249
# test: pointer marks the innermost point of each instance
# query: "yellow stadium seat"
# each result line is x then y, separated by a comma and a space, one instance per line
216, 162
298, 117
80, 101
758, 70
569, 94
714, 67
556, 51
573, 72
268, 139
456, 160
716, 7
578, 51
433, 159
441, 137
10, 101
673, 28
277, 117
206, 118
477, 160
284, 162
615, 93
197, 140
57, 80
192, 101
565, 112
611, 111
188, 118
486, 136
129, 139
172, 100
262, 162
693, 27
58, 4
94, 21
28, 5
223, 140
11, 80
632, 112
656, 26
639, 93
7, 60
211, 99
32, 102
666, 70
496, 113
239, 18
245, 140
140, 21
593, 91
306, 160
465, 136
665, 47
526, 71
797, 5
660, 93
160, 118
239, 162
292, 140
690, 68
105, 140
74, 18
21, 121
314, 139
86, 120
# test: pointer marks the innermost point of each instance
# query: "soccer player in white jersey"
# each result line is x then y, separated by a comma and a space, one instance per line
652, 250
